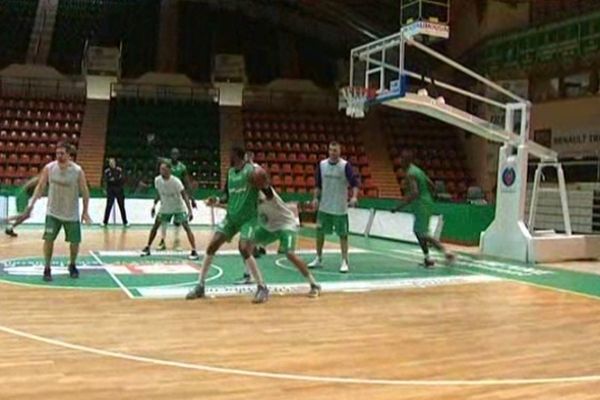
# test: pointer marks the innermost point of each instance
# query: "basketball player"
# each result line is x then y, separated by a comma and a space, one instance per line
276, 222
419, 197
180, 171
333, 177
66, 182
173, 203
22, 198
243, 184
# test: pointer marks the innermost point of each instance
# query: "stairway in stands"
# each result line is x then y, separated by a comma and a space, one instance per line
92, 143
231, 128
382, 169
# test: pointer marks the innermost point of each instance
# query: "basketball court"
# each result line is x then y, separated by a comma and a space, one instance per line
516, 318
482, 328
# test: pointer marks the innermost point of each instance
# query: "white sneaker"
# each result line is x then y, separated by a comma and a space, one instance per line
316, 263
345, 268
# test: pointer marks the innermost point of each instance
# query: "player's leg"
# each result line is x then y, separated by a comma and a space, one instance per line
450, 257
110, 202
176, 237
162, 245
158, 222
287, 244
324, 226
421, 238
191, 238
73, 237
121, 203
51, 229
262, 292
341, 228
225, 232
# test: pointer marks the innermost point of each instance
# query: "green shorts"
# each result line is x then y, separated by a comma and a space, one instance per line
54, 225
231, 228
177, 218
328, 223
422, 213
22, 200
286, 238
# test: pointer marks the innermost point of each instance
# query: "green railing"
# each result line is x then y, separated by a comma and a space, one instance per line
561, 42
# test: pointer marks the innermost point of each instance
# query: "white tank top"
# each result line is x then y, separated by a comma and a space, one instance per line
63, 191
334, 187
274, 215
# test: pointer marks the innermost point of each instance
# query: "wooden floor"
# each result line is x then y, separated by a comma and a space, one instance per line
498, 340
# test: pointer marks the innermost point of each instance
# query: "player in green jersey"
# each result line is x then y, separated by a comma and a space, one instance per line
244, 181
420, 200
180, 171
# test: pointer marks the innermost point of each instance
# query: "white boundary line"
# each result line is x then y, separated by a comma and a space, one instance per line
113, 276
297, 377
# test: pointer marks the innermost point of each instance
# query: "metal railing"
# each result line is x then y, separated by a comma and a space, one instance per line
42, 88
262, 98
164, 92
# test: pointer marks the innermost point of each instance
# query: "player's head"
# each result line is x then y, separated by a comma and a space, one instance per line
165, 170
175, 154
62, 152
249, 157
112, 162
335, 151
406, 158
238, 155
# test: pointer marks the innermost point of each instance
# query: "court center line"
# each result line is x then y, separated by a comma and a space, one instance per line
296, 377
113, 276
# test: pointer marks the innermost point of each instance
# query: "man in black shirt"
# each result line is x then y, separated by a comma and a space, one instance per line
113, 178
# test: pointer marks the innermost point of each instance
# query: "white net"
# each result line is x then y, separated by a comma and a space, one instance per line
356, 99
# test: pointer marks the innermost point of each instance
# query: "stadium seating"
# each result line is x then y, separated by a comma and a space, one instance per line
436, 150
29, 131
140, 131
16, 20
290, 144
132, 23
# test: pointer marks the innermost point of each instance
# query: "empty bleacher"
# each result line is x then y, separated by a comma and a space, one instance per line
29, 131
130, 23
290, 145
16, 21
140, 131
436, 149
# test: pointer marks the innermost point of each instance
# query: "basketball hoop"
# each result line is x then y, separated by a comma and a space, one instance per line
356, 98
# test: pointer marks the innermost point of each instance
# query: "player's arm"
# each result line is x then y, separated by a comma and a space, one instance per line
317, 189
156, 200
188, 204
39, 190
85, 195
219, 201
187, 182
414, 194
354, 184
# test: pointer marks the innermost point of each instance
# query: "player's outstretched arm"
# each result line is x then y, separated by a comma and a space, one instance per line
39, 190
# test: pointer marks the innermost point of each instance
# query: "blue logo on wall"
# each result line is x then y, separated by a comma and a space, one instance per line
509, 176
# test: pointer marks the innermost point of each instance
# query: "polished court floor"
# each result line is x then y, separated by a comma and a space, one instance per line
483, 329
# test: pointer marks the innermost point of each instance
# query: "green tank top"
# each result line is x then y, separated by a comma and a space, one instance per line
422, 183
179, 170
243, 197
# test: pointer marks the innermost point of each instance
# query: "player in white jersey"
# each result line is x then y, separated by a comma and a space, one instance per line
277, 222
333, 177
66, 182
174, 201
